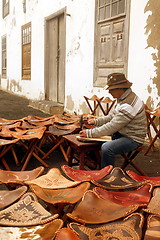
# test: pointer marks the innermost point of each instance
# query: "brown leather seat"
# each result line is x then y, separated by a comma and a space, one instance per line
83, 175
26, 212
73, 126
153, 228
28, 134
117, 179
19, 177
64, 119
29, 139
4, 141
140, 196
66, 195
154, 205
8, 130
26, 125
94, 210
155, 181
45, 231
60, 131
8, 197
38, 121
67, 234
37, 118
106, 105
4, 121
53, 179
94, 99
129, 228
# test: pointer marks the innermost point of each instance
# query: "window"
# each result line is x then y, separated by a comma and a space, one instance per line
110, 8
5, 8
111, 41
4, 57
26, 51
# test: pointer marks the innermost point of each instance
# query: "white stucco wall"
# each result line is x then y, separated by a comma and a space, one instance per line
79, 46
79, 52
141, 69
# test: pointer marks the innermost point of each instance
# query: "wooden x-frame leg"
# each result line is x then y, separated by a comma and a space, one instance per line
95, 101
151, 116
129, 159
31, 151
4, 150
58, 143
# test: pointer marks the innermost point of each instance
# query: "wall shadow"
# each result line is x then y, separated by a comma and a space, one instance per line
152, 29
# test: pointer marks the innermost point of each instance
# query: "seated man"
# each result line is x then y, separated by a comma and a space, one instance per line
126, 123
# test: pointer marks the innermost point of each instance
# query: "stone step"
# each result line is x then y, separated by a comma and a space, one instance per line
48, 107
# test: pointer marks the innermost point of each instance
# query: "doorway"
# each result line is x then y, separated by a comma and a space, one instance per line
55, 57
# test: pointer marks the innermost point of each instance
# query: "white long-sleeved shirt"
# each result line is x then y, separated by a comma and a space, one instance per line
128, 118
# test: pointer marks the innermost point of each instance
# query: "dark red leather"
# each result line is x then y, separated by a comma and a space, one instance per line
155, 181
140, 196
83, 175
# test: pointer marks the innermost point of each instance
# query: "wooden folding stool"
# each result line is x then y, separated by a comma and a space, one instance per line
5, 146
95, 101
129, 159
151, 116
108, 105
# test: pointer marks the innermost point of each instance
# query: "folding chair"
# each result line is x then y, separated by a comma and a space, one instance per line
39, 121
129, 159
5, 146
5, 122
95, 104
29, 139
108, 105
151, 117
150, 123
56, 137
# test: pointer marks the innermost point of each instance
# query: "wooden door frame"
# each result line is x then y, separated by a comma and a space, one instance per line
46, 48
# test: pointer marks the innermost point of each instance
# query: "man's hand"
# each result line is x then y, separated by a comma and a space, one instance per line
91, 121
83, 133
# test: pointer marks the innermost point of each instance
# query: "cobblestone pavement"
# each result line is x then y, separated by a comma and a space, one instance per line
15, 107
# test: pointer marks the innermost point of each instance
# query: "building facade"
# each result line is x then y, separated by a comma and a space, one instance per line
62, 50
